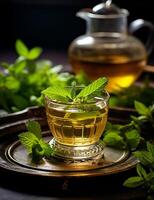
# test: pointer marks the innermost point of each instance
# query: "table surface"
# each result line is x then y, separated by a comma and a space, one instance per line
12, 188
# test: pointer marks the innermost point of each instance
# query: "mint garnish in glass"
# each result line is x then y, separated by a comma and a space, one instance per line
73, 94
77, 117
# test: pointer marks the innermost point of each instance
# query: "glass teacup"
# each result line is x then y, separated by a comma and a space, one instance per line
77, 127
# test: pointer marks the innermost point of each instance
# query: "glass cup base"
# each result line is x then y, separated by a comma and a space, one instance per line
76, 152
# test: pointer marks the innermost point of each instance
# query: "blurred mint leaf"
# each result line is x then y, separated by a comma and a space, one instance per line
114, 101
141, 171
21, 48
2, 80
150, 148
12, 83
19, 101
3, 102
132, 138
82, 78
108, 126
145, 171
34, 53
113, 139
35, 128
133, 182
141, 108
19, 66
56, 69
27, 76
5, 65
45, 64
145, 158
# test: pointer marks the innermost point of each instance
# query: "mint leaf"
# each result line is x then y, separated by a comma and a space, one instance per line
141, 171
141, 108
146, 174
132, 138
5, 65
19, 101
108, 126
19, 66
37, 152
45, 64
145, 157
73, 90
28, 140
21, 48
35, 128
34, 53
34, 143
133, 182
56, 69
150, 148
57, 93
12, 83
82, 78
113, 139
92, 88
48, 151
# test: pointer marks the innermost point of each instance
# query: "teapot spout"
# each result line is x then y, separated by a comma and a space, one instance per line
83, 13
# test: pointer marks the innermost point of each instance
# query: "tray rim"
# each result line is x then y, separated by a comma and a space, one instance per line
10, 166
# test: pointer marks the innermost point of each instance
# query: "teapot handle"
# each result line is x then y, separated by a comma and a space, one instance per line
140, 23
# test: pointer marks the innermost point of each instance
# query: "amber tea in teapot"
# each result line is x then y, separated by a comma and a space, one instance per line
107, 48
121, 70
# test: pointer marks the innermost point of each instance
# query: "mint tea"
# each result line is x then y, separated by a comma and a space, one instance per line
76, 125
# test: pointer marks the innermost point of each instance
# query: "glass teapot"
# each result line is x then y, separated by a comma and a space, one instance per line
107, 48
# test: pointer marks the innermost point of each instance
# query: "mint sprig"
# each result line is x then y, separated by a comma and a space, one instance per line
22, 81
23, 50
141, 108
66, 94
32, 140
131, 135
122, 136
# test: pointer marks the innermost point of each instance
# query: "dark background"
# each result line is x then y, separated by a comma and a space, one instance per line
52, 23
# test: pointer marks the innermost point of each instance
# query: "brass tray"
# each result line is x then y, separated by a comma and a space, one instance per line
14, 159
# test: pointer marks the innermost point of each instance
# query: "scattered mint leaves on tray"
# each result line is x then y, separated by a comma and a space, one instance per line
122, 136
131, 135
145, 171
32, 140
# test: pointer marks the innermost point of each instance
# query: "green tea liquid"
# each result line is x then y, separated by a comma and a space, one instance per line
77, 128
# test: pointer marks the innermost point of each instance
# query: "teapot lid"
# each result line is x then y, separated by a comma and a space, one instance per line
107, 8
104, 10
